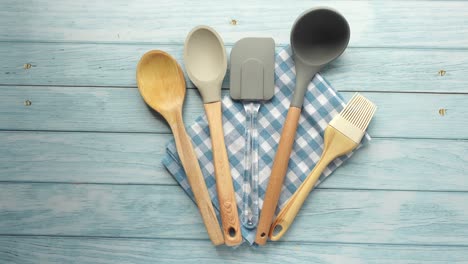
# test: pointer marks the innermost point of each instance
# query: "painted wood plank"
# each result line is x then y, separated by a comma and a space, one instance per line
398, 164
135, 251
396, 217
123, 110
359, 69
377, 24
84, 157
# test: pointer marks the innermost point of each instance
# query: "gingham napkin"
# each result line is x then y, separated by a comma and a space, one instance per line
321, 104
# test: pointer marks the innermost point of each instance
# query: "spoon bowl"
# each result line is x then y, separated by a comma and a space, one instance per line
206, 62
161, 82
319, 36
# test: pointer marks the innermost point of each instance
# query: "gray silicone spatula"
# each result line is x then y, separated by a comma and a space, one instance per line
252, 82
318, 37
206, 64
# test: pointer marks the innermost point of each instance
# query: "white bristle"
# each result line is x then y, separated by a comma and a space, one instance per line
354, 118
359, 111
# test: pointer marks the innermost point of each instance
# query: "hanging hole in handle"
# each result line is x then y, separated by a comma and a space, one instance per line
278, 228
263, 234
232, 232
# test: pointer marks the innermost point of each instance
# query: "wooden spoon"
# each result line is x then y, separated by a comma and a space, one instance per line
206, 64
162, 86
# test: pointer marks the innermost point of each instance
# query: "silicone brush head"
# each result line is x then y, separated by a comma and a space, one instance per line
355, 117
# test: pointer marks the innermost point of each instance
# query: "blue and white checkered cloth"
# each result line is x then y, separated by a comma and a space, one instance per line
321, 104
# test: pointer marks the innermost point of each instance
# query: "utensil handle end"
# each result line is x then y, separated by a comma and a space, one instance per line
195, 178
289, 212
224, 185
250, 210
278, 172
335, 145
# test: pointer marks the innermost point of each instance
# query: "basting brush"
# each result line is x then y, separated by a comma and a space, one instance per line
342, 135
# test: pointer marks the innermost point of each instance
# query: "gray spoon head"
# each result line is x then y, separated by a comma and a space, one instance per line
206, 62
318, 36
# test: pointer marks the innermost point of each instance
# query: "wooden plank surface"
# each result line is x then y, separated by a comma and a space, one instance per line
122, 110
145, 211
84, 158
359, 69
376, 24
120, 158
84, 182
138, 251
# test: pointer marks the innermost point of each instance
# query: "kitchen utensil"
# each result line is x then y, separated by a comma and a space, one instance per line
252, 82
318, 37
342, 135
162, 85
206, 64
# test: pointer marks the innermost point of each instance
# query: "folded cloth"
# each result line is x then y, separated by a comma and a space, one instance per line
321, 104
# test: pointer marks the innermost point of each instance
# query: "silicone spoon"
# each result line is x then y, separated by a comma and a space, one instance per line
162, 86
318, 37
206, 64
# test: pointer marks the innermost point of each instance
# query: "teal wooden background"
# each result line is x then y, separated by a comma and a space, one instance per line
80, 173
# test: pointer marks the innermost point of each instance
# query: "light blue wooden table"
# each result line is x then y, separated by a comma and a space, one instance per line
81, 178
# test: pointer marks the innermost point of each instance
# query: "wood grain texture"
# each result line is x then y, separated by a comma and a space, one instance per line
358, 69
395, 217
278, 172
382, 23
224, 187
84, 158
31, 250
120, 158
359, 215
336, 144
122, 110
195, 178
161, 83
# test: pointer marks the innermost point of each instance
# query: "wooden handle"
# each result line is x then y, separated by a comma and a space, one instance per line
224, 186
280, 166
195, 178
335, 145
286, 216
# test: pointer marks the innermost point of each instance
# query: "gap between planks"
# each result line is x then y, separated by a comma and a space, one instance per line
168, 133
175, 184
9, 85
300, 242
159, 43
